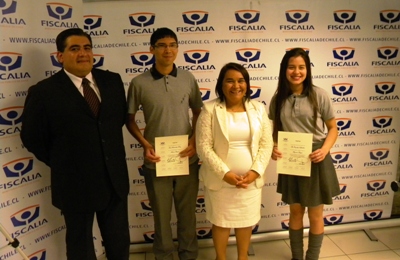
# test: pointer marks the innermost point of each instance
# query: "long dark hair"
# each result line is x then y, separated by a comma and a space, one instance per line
221, 76
284, 91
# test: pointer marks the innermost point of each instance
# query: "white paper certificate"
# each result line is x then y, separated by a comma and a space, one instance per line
295, 149
168, 148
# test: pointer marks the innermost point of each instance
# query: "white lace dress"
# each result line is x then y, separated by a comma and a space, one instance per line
231, 207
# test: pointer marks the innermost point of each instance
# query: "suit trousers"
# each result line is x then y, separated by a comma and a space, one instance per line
114, 228
182, 191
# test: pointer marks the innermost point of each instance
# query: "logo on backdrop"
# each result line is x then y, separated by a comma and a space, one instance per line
200, 205
27, 220
344, 20
333, 219
255, 92
146, 207
383, 91
285, 224
198, 61
195, 20
247, 20
343, 126
142, 23
382, 125
93, 22
345, 56
205, 93
98, 60
378, 157
342, 196
10, 121
10, 62
340, 160
373, 214
9, 7
142, 60
249, 56
390, 20
19, 172
204, 232
342, 93
149, 236
387, 54
60, 13
297, 20
38, 255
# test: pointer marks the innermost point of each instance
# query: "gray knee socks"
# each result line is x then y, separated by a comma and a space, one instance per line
296, 243
314, 246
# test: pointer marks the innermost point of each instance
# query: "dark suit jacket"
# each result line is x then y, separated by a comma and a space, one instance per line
86, 154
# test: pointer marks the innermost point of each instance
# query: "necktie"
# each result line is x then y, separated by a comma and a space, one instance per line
90, 96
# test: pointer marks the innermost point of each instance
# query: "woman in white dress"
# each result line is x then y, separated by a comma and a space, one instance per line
234, 142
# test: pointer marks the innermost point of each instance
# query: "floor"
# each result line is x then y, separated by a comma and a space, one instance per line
355, 245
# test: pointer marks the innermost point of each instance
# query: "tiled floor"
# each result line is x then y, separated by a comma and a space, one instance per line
355, 245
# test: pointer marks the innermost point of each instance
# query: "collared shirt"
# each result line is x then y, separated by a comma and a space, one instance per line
157, 75
78, 83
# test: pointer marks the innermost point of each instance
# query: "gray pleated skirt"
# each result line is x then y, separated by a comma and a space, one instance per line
311, 191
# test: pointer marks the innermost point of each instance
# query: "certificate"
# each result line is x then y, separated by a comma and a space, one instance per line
168, 148
295, 149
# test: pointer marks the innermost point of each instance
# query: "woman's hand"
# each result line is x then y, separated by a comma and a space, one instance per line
276, 153
318, 155
233, 179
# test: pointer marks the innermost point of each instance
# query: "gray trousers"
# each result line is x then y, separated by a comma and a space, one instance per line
182, 191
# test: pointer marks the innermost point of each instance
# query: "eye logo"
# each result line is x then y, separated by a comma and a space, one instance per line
11, 116
200, 203
59, 11
379, 154
342, 187
39, 255
382, 121
247, 16
142, 58
340, 157
342, 89
196, 56
92, 21
248, 54
140, 170
195, 17
10, 61
387, 52
149, 236
333, 219
389, 16
205, 93
54, 60
254, 230
18, 168
376, 185
343, 123
343, 53
8, 7
98, 60
145, 205
297, 16
25, 216
373, 214
255, 92
142, 19
344, 16
203, 233
285, 224
384, 88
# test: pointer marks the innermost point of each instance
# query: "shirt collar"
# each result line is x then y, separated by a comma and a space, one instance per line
157, 75
78, 80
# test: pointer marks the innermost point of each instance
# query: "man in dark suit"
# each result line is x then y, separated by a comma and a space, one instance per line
82, 143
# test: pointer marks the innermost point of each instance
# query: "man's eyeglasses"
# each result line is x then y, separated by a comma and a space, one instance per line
162, 46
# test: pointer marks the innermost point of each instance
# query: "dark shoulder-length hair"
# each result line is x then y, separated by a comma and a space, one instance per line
284, 91
221, 76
